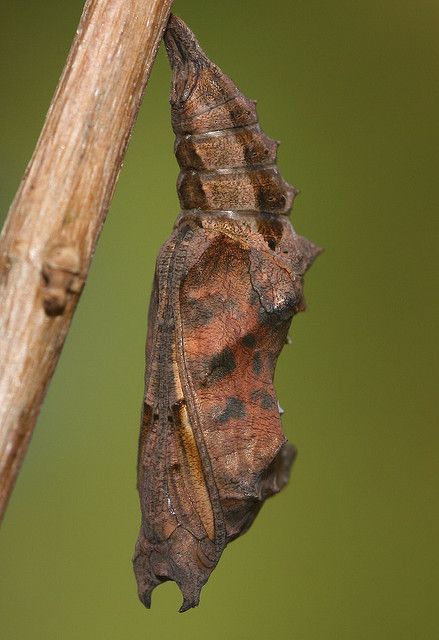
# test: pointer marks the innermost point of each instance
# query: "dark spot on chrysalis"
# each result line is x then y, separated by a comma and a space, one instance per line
249, 340
263, 399
235, 408
199, 313
257, 363
146, 414
278, 315
250, 150
262, 198
271, 229
221, 365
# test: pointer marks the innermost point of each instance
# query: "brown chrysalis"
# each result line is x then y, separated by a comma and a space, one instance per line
228, 282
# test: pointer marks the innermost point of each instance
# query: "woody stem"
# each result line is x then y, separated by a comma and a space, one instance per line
55, 219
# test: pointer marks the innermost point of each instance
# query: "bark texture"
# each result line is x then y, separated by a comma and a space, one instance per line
54, 222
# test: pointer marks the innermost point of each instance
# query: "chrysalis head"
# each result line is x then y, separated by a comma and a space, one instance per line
227, 162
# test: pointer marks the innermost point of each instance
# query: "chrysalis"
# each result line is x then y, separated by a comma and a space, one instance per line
228, 282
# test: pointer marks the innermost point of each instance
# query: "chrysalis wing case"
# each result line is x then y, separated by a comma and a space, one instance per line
228, 282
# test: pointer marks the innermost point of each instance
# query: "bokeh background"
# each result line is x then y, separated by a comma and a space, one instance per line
349, 549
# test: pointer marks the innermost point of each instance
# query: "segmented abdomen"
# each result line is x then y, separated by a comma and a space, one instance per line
227, 162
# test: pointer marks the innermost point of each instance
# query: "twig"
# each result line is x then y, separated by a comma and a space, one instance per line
54, 222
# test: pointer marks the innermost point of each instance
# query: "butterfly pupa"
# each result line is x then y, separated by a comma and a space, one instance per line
228, 282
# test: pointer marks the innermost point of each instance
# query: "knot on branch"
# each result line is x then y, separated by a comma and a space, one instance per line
5, 267
60, 272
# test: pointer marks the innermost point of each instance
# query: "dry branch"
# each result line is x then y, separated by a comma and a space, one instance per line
54, 222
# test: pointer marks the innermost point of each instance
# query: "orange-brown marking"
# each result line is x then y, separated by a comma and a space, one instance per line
189, 456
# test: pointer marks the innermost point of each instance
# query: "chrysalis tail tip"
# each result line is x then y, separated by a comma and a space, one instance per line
190, 600
173, 559
186, 58
189, 603
181, 44
146, 599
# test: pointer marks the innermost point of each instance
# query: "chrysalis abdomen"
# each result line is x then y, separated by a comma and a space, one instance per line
226, 161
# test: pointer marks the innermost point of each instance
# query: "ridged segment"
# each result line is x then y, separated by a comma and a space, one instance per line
245, 189
234, 112
227, 162
242, 147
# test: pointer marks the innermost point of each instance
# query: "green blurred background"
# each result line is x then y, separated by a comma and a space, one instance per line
349, 549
